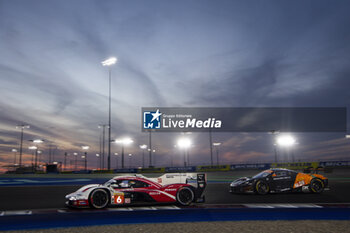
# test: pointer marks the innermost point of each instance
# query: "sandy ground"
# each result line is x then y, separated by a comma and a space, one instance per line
234, 226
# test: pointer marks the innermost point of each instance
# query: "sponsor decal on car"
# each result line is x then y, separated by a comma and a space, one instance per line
154, 193
299, 183
170, 190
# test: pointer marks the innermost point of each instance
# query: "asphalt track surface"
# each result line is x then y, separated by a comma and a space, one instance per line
37, 202
52, 196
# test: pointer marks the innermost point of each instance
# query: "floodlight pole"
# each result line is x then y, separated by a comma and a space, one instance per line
109, 119
122, 155
65, 160
211, 148
109, 62
85, 153
217, 155
76, 162
143, 158
36, 157
188, 156
20, 148
150, 148
275, 153
103, 126
21, 144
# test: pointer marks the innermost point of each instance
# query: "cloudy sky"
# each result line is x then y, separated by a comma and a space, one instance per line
173, 54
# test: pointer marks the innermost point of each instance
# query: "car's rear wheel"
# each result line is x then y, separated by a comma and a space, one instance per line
261, 187
185, 196
99, 198
316, 186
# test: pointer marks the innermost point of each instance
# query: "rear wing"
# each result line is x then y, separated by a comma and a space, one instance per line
197, 181
193, 179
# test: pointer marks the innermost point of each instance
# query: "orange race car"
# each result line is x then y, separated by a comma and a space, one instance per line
279, 180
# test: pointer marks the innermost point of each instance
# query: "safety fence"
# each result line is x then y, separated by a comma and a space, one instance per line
216, 168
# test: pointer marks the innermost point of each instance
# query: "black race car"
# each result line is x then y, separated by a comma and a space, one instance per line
279, 180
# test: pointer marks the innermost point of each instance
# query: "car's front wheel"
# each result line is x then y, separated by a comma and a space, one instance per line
316, 186
261, 187
99, 198
185, 196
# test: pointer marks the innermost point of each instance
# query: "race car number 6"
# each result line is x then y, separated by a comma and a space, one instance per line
119, 199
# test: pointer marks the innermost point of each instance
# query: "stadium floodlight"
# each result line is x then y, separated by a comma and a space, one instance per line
124, 142
347, 136
32, 147
143, 147
76, 160
85, 149
110, 61
37, 141
216, 145
285, 141
184, 143
130, 155
15, 155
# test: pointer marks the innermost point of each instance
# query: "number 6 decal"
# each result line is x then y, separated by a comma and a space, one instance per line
119, 198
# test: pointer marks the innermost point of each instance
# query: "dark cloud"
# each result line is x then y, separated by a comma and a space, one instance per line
183, 53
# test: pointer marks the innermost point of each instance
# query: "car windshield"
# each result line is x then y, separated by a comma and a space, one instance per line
109, 182
262, 174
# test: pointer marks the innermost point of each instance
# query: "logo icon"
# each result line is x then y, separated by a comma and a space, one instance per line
151, 120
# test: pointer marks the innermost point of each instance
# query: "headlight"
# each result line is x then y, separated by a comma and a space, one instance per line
72, 198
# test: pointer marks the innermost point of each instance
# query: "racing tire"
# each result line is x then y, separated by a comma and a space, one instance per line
316, 185
261, 187
185, 196
99, 199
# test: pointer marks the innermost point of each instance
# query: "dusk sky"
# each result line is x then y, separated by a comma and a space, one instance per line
170, 54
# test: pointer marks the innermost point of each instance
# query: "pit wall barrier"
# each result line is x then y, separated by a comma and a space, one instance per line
181, 169
335, 164
152, 170
213, 168
297, 165
260, 166
257, 166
